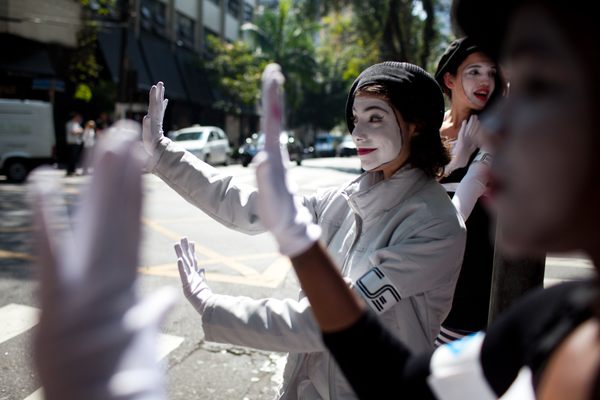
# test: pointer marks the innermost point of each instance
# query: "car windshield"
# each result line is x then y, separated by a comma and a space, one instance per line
198, 135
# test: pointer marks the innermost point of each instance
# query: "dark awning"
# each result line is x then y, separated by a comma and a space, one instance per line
194, 77
110, 44
24, 57
162, 66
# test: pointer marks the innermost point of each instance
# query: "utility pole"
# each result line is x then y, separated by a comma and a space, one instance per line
124, 64
511, 278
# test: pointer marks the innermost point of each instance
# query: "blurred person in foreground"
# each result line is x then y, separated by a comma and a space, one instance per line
96, 339
546, 190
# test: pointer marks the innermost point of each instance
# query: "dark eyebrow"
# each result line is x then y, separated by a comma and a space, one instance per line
375, 108
480, 66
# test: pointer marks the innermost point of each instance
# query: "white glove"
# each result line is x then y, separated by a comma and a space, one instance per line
473, 185
467, 141
194, 284
95, 339
152, 130
279, 211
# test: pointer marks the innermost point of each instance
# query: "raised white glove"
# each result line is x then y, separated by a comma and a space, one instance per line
467, 141
194, 284
95, 339
279, 211
152, 130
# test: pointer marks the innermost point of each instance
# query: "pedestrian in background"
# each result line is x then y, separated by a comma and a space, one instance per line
89, 140
74, 139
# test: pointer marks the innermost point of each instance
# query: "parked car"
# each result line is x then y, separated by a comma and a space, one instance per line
324, 146
256, 142
347, 147
26, 137
208, 143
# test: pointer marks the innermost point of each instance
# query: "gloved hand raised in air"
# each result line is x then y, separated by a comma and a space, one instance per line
194, 284
279, 210
467, 142
152, 130
96, 339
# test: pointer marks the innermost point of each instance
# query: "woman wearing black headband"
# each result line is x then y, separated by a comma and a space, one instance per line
393, 229
546, 190
471, 81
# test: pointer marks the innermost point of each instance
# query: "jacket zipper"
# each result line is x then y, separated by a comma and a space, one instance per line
357, 233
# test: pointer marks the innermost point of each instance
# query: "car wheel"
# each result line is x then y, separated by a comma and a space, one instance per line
207, 158
226, 161
16, 171
246, 161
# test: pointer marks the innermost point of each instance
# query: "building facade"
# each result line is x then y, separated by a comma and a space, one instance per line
137, 43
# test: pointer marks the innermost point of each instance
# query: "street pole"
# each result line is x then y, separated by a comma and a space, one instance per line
124, 64
511, 278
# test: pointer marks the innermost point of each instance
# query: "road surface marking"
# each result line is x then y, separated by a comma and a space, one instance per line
205, 251
16, 229
272, 277
15, 255
13, 315
16, 319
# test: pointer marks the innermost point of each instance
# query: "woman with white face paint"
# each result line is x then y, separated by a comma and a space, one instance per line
393, 230
470, 80
546, 189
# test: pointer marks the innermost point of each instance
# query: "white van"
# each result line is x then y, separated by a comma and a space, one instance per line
26, 137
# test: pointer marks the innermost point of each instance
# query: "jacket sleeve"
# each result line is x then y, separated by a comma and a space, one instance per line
428, 258
266, 324
203, 186
216, 194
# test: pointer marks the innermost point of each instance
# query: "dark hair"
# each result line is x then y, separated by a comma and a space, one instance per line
456, 53
427, 151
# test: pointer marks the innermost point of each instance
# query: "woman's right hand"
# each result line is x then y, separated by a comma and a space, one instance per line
467, 141
152, 130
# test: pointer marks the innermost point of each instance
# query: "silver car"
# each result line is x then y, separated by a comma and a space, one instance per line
208, 143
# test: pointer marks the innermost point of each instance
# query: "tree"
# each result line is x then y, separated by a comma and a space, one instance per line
286, 36
341, 55
84, 68
405, 30
237, 69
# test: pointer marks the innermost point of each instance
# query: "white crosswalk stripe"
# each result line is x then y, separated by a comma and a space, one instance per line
17, 319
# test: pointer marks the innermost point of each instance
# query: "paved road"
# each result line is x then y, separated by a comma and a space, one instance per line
236, 264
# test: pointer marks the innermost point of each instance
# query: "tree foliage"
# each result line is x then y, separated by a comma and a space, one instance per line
237, 70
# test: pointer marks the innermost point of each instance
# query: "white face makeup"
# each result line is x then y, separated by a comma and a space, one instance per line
376, 133
478, 74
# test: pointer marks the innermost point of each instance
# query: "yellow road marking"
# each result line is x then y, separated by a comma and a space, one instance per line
205, 251
13, 254
16, 229
272, 277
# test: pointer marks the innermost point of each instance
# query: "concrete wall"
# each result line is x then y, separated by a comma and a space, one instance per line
212, 16
187, 7
55, 21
